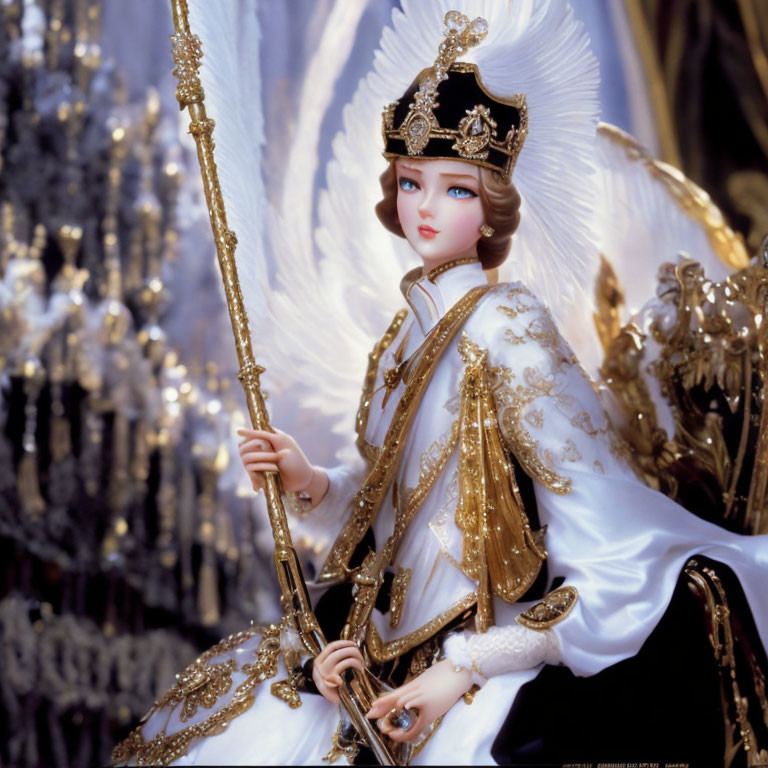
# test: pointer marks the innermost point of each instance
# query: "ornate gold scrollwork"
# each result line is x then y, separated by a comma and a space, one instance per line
475, 132
551, 610
737, 685
713, 372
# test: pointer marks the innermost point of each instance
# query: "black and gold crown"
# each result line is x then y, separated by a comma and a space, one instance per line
448, 113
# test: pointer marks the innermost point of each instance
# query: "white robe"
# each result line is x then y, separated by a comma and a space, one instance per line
621, 544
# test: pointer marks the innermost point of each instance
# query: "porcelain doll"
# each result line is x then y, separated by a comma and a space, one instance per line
516, 530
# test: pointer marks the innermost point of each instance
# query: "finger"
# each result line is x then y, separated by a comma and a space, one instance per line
329, 662
331, 647
343, 653
329, 666
385, 726
409, 700
249, 432
276, 439
259, 435
328, 693
383, 704
260, 456
347, 663
340, 643
411, 734
259, 467
259, 445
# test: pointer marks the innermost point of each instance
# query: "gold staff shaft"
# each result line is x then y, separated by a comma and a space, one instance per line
187, 53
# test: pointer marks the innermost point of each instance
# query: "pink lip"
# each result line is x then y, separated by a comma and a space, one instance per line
426, 231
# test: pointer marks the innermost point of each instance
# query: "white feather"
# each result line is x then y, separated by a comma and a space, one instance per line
328, 314
231, 79
335, 289
641, 225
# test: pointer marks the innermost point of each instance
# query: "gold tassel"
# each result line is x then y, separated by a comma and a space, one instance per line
28, 479
499, 549
208, 591
60, 441
28, 485
207, 578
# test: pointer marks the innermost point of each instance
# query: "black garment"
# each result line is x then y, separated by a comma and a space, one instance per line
661, 706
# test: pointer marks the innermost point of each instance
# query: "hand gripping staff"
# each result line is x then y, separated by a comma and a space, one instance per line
187, 53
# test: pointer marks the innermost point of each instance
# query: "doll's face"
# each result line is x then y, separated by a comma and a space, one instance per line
439, 208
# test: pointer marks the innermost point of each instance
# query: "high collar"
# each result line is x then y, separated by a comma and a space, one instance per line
430, 296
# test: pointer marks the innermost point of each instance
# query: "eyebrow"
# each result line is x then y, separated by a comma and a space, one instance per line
459, 176
408, 168
445, 175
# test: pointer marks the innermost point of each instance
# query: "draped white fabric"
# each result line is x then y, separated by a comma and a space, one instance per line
618, 542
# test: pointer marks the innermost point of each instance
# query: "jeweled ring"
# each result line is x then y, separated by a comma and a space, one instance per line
403, 718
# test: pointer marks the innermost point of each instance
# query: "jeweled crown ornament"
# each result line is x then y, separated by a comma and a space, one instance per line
448, 113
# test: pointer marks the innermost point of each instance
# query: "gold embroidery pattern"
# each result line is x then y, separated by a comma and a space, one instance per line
598, 467
571, 452
535, 417
431, 465
439, 521
368, 500
513, 400
164, 749
368, 451
498, 547
512, 403
204, 687
583, 421
551, 610
541, 329
382, 652
512, 337
453, 405
397, 599
519, 307
196, 675
288, 690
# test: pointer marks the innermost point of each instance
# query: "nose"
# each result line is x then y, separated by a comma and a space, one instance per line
425, 205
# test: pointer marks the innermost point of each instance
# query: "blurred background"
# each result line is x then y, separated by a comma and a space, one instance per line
129, 536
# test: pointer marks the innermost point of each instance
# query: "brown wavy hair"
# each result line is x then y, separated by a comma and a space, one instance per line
501, 205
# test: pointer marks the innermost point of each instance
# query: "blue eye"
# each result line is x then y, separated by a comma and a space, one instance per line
461, 193
408, 185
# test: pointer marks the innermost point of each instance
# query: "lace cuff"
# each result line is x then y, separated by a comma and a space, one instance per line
501, 650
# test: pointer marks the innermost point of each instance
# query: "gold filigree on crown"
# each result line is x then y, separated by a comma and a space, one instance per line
460, 35
451, 114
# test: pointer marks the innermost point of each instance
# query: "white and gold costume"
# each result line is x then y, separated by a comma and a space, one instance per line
616, 542
506, 383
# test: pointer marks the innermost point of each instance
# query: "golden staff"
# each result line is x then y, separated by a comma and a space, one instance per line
355, 694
